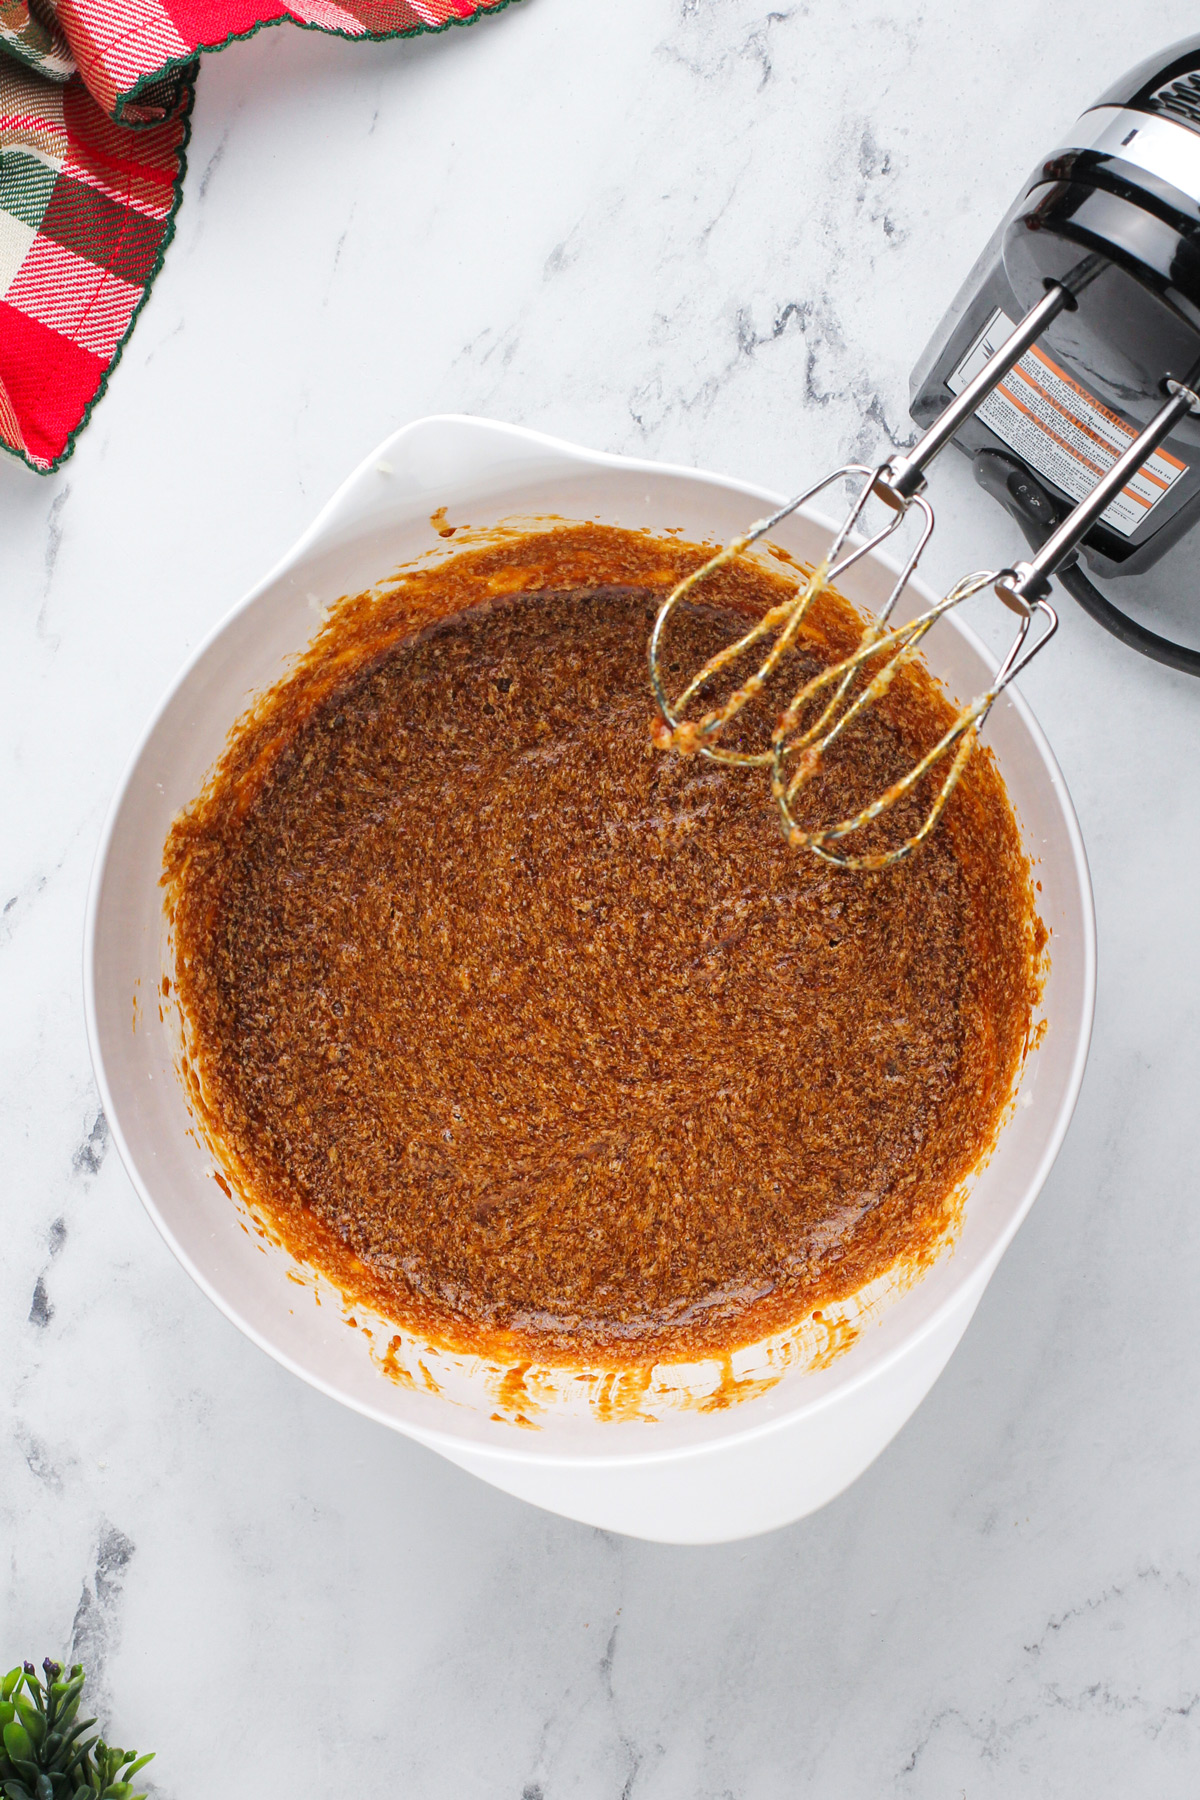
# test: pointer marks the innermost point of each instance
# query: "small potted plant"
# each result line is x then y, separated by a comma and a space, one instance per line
44, 1751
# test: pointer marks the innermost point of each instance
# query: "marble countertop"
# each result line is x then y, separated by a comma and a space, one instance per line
718, 234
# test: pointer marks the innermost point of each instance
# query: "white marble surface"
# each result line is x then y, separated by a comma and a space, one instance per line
720, 234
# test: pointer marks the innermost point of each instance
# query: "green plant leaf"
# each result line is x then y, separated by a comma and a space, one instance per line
71, 1688
80, 1748
17, 1741
32, 1719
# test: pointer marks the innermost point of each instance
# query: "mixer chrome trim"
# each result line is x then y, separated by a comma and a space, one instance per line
1160, 145
1177, 387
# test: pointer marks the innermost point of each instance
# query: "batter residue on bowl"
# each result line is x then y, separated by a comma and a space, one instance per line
540, 1037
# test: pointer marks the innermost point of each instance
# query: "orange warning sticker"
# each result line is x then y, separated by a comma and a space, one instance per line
1062, 431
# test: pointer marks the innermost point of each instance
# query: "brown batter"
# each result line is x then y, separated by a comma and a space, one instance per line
542, 1038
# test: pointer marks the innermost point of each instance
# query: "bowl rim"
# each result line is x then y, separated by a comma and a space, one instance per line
532, 1449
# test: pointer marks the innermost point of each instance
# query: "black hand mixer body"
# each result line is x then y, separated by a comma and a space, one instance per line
1113, 215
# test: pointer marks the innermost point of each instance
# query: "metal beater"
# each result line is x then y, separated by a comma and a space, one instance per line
845, 690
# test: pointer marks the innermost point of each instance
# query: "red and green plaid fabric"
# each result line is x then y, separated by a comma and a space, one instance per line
94, 104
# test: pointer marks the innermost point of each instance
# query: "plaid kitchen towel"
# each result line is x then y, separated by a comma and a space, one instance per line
94, 104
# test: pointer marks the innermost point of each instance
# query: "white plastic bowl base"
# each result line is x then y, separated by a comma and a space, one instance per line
693, 1478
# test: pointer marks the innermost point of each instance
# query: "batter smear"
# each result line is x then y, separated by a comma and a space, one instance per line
545, 1041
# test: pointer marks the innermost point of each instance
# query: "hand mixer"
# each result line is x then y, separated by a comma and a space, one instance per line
1068, 368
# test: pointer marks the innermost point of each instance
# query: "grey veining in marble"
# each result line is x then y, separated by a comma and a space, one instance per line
720, 234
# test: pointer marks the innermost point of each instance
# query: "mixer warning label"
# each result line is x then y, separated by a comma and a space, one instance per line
1061, 430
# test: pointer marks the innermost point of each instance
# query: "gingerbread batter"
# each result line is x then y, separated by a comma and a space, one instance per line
547, 1037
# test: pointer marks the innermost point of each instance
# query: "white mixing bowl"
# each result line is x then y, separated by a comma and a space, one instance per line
665, 1463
